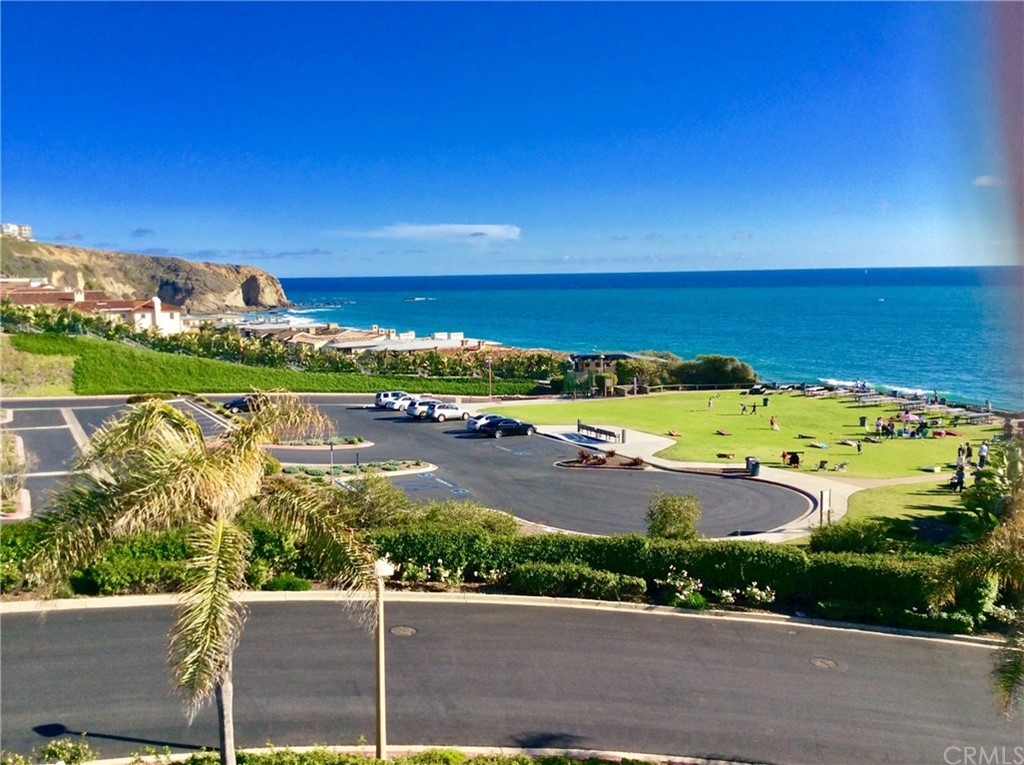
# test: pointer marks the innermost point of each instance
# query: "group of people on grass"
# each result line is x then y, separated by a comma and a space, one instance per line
965, 459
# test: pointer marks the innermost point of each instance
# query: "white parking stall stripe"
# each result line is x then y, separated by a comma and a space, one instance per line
77, 431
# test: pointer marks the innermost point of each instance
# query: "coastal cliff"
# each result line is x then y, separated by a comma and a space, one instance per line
199, 287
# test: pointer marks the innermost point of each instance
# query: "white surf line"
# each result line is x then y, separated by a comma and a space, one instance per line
77, 432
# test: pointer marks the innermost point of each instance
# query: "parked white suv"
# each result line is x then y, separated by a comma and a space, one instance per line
418, 409
442, 412
384, 396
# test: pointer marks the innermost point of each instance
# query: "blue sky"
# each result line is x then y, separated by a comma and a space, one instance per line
337, 139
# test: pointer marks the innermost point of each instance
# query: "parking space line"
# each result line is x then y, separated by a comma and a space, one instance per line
77, 432
36, 427
48, 475
223, 422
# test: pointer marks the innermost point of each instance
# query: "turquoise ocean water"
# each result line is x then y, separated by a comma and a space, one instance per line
954, 330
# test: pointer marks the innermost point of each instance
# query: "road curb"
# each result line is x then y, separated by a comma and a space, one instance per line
783, 620
471, 751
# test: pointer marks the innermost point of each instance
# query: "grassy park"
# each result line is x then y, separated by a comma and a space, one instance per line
802, 420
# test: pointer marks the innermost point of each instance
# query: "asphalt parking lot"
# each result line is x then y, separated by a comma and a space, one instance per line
516, 473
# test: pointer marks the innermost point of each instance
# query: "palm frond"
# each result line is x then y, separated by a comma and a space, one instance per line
345, 560
209, 619
1009, 669
153, 422
279, 417
1000, 554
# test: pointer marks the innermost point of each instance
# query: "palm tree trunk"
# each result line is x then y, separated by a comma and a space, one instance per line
225, 695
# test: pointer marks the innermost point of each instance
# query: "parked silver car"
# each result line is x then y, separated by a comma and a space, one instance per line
418, 408
442, 412
474, 423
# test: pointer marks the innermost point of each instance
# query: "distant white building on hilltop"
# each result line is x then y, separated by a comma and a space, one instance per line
16, 230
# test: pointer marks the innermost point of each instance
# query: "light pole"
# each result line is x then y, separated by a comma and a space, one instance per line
490, 378
382, 569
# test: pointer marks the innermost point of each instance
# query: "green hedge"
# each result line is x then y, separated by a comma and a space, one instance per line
884, 589
571, 580
732, 565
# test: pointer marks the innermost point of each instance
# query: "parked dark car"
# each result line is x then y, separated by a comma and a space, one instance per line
499, 428
244, 404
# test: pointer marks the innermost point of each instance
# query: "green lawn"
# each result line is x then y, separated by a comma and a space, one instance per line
828, 420
103, 366
913, 502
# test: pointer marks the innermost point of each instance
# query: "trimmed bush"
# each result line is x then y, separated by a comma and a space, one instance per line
287, 582
570, 580
869, 535
732, 565
900, 582
145, 563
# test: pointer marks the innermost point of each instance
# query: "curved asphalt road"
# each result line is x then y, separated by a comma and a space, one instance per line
518, 474
515, 473
514, 675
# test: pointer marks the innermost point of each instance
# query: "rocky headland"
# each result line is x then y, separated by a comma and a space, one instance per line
199, 287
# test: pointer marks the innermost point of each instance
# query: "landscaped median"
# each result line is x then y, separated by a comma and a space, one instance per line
881, 589
79, 751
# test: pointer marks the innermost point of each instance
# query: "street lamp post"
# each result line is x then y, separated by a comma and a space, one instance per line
490, 378
382, 569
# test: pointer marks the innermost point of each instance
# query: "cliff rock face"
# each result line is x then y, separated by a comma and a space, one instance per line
199, 287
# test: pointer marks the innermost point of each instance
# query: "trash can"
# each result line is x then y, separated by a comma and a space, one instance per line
753, 466
863, 422
764, 401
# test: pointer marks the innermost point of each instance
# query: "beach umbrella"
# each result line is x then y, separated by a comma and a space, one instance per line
908, 417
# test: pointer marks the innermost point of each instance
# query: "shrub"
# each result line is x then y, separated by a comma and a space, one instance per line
870, 535
68, 750
314, 472
17, 542
13, 758
572, 580
292, 470
724, 565
271, 465
273, 550
287, 581
901, 582
138, 398
672, 517
143, 563
438, 757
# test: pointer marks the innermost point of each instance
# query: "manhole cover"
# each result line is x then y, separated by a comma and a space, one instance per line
822, 663
403, 631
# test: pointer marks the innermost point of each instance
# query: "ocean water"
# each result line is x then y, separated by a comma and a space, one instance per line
957, 331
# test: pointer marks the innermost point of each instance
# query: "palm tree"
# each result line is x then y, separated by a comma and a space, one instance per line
997, 557
154, 470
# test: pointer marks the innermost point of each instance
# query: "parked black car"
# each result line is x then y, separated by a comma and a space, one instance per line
249, 403
499, 428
